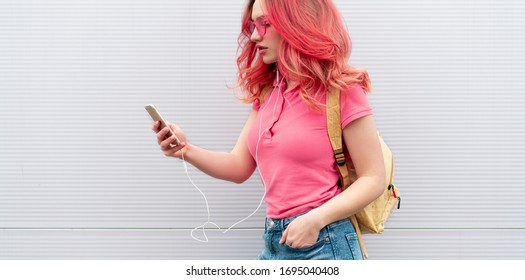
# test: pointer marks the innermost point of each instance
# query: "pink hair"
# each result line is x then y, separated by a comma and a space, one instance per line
314, 51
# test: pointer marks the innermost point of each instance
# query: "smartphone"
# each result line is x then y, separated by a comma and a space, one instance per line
155, 115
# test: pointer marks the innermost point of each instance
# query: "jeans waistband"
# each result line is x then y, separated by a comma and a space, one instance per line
282, 224
279, 224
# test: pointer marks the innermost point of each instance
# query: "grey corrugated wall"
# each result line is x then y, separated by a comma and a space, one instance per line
81, 175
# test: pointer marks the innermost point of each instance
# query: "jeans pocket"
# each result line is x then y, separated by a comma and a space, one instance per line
321, 241
355, 248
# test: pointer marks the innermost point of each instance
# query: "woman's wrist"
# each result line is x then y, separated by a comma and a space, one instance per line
187, 152
318, 219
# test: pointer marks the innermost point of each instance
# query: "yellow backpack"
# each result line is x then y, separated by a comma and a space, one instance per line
372, 218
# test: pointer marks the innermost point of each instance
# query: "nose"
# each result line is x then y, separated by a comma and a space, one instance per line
256, 37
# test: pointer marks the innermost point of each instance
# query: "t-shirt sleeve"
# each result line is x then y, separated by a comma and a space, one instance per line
354, 104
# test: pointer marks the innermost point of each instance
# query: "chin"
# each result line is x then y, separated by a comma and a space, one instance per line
269, 60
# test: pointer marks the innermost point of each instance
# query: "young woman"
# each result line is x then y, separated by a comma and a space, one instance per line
291, 54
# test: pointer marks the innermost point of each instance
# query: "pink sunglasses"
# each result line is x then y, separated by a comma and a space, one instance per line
259, 24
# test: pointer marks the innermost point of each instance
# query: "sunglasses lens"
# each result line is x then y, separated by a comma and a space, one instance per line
261, 26
258, 24
251, 27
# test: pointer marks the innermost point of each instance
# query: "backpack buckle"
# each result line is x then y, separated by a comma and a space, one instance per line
339, 157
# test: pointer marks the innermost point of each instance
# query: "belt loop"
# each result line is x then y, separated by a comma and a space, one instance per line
284, 223
287, 222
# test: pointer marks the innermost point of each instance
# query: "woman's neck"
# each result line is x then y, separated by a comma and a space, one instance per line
289, 84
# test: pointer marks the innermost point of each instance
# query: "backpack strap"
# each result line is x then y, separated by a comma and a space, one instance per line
335, 133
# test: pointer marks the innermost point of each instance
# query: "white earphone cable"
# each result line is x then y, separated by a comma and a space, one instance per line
209, 222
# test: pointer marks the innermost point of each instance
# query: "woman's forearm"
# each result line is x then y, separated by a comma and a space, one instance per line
222, 165
357, 196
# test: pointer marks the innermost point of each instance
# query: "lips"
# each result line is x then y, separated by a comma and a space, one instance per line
262, 49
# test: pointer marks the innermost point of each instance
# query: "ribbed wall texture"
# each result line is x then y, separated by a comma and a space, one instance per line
81, 175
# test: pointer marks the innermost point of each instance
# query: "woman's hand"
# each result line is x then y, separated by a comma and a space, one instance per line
167, 148
302, 232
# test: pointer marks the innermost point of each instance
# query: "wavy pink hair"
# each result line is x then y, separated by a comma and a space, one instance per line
314, 53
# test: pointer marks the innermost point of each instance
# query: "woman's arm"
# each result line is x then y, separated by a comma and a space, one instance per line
363, 145
236, 166
365, 149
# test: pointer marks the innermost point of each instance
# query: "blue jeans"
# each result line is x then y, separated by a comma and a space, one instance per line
336, 241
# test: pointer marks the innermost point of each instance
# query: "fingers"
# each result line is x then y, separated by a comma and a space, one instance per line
173, 151
161, 135
283, 239
166, 144
156, 126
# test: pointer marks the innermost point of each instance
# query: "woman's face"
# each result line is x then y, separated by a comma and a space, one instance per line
269, 42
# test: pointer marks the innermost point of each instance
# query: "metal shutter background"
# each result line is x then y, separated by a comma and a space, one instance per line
81, 176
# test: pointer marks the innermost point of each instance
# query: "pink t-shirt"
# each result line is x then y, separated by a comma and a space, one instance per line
290, 144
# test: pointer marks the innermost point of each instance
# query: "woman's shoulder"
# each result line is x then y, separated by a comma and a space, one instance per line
354, 103
354, 88
353, 98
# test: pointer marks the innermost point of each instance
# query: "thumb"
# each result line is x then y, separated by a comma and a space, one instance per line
285, 235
